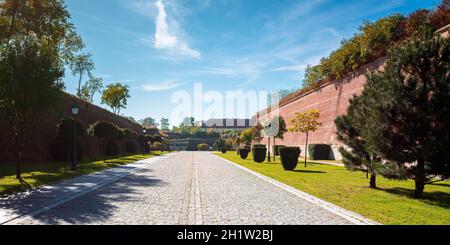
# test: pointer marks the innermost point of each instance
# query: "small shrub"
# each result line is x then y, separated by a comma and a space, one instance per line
319, 151
243, 153
157, 146
224, 150
259, 153
276, 149
203, 147
289, 157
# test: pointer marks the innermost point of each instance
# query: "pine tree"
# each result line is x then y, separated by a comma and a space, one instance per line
357, 156
410, 109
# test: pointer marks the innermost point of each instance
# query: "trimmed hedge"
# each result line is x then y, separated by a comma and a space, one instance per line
243, 153
259, 153
275, 149
319, 151
289, 157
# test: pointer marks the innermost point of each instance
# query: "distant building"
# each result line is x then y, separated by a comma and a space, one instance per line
223, 124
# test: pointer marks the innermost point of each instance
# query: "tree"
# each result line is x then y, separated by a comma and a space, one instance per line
256, 132
165, 124
104, 130
148, 122
90, 88
247, 136
305, 122
282, 129
45, 20
116, 96
30, 84
351, 130
81, 64
410, 116
220, 144
188, 122
36, 40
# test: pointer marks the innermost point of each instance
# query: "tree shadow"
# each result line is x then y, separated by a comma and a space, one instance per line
441, 184
437, 198
308, 171
90, 208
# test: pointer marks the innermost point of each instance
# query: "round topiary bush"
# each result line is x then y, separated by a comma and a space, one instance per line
203, 147
289, 157
224, 150
259, 153
244, 153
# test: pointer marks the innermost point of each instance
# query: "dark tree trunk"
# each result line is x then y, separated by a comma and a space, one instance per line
268, 151
274, 151
306, 148
420, 179
373, 181
18, 165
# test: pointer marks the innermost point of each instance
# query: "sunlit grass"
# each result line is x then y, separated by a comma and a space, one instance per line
392, 203
38, 174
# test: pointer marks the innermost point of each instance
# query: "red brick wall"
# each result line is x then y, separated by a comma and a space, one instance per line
332, 100
43, 138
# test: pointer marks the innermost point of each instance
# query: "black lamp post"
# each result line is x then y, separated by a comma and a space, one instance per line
75, 111
144, 131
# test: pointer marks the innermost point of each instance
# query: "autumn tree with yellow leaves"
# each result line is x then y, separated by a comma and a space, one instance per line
305, 122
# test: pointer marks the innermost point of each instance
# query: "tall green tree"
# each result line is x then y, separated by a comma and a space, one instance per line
165, 124
30, 84
47, 20
148, 122
410, 119
116, 96
80, 65
91, 87
351, 130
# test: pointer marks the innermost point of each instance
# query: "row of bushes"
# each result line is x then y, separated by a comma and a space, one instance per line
288, 155
110, 133
373, 40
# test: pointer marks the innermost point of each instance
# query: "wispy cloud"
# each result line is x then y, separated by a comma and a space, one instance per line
166, 38
155, 87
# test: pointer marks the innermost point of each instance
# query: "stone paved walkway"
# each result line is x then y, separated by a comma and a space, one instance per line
184, 188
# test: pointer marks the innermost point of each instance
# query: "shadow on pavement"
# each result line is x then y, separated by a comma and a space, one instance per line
90, 208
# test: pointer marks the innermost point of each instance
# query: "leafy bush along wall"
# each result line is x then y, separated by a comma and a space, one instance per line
43, 139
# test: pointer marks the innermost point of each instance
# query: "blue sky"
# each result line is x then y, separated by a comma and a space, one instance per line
159, 47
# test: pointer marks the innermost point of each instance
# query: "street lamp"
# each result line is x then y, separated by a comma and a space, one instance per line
75, 111
144, 131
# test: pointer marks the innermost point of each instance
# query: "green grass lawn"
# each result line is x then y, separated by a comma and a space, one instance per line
38, 174
392, 203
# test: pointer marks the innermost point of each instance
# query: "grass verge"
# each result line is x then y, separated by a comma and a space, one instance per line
37, 174
392, 203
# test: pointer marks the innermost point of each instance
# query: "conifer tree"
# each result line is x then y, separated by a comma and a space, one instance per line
409, 111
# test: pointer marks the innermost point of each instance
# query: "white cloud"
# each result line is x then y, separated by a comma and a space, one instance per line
161, 86
167, 40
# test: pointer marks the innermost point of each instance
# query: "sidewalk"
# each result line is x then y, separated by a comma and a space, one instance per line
16, 207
